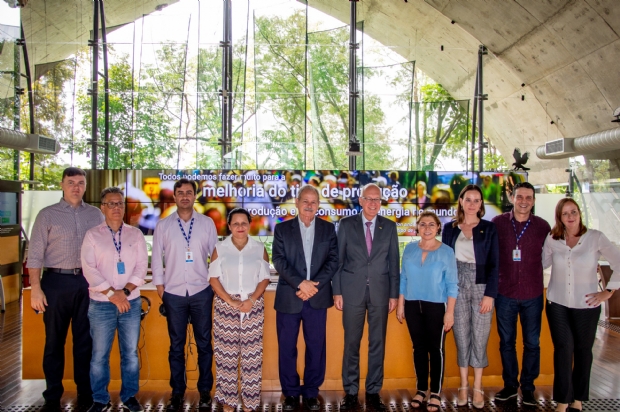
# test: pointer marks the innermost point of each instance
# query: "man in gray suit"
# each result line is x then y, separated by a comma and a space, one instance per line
367, 281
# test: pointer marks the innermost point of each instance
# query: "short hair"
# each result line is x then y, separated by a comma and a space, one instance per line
72, 171
523, 185
238, 211
460, 212
307, 188
111, 190
369, 185
182, 182
559, 231
428, 213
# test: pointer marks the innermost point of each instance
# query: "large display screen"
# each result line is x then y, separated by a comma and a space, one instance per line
269, 195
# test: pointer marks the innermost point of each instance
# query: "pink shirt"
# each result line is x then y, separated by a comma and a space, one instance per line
100, 258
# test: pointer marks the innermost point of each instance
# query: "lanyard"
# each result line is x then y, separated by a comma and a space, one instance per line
188, 236
117, 245
514, 227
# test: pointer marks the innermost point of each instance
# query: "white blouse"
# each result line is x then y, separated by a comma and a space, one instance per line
464, 249
573, 272
239, 271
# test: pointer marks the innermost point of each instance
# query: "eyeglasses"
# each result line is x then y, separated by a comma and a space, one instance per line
572, 213
372, 199
114, 205
427, 225
240, 224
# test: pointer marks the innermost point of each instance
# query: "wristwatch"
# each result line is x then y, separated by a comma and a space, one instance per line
110, 293
611, 290
126, 291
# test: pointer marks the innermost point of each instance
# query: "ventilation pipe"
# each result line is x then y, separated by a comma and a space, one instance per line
599, 142
33, 143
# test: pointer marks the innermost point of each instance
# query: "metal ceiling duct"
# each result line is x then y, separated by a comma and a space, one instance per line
599, 142
33, 143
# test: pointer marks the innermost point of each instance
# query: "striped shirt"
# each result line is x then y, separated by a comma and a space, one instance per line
57, 235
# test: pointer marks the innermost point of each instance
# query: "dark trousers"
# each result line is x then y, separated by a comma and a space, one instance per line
67, 303
353, 318
425, 324
573, 332
313, 322
530, 312
197, 308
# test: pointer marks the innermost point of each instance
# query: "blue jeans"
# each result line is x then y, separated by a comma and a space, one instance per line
198, 309
105, 320
530, 312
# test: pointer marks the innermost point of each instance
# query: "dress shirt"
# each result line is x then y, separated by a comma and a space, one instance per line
307, 237
464, 249
57, 235
99, 259
432, 281
573, 271
239, 271
523, 279
372, 226
169, 247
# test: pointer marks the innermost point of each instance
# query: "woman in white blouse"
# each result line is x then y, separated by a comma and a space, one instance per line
573, 300
239, 275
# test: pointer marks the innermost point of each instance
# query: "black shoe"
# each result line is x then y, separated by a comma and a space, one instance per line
175, 403
571, 409
290, 403
100, 407
50, 406
527, 398
506, 394
312, 404
205, 401
132, 405
349, 403
373, 400
84, 401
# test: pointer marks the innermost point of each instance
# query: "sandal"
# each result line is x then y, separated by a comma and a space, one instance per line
478, 405
433, 407
459, 400
417, 404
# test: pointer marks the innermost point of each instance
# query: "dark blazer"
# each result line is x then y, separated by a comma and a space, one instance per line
381, 268
290, 263
486, 250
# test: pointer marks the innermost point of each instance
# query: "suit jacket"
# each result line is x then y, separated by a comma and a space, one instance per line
486, 250
355, 267
290, 262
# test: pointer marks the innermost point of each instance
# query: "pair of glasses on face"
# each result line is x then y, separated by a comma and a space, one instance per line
572, 213
372, 199
427, 225
114, 205
242, 225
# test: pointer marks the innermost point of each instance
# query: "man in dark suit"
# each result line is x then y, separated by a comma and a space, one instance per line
305, 254
367, 281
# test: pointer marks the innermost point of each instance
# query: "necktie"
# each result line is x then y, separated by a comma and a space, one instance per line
368, 238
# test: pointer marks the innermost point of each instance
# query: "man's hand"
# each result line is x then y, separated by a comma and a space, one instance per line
400, 313
486, 304
38, 301
448, 321
308, 288
246, 306
120, 300
393, 304
160, 291
338, 302
302, 295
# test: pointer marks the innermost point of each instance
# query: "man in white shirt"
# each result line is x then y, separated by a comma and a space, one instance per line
183, 242
114, 262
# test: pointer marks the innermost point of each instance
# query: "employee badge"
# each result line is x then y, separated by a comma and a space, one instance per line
516, 255
189, 257
120, 268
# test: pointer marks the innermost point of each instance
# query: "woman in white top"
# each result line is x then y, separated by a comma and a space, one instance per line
239, 275
573, 300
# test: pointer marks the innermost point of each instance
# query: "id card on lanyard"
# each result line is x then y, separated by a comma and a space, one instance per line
120, 265
189, 256
516, 253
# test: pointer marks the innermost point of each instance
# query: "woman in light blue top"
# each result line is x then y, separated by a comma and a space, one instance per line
428, 291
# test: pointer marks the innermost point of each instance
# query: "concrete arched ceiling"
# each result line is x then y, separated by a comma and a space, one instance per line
561, 55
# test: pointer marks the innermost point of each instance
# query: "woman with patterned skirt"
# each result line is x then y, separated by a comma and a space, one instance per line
239, 275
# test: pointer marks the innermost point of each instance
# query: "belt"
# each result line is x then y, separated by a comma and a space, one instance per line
76, 271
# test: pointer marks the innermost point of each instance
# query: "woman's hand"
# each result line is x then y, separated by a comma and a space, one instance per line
400, 312
246, 306
234, 303
448, 321
595, 299
486, 304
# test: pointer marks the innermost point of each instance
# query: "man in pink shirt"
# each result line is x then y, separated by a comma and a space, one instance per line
114, 262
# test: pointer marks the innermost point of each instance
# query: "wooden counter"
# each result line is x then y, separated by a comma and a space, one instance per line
399, 372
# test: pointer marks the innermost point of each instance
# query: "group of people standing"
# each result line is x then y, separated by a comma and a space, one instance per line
93, 264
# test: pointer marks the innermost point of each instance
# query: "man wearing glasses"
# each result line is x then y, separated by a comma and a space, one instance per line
62, 293
114, 261
367, 282
182, 242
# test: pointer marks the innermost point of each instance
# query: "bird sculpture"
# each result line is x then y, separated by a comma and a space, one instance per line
520, 160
